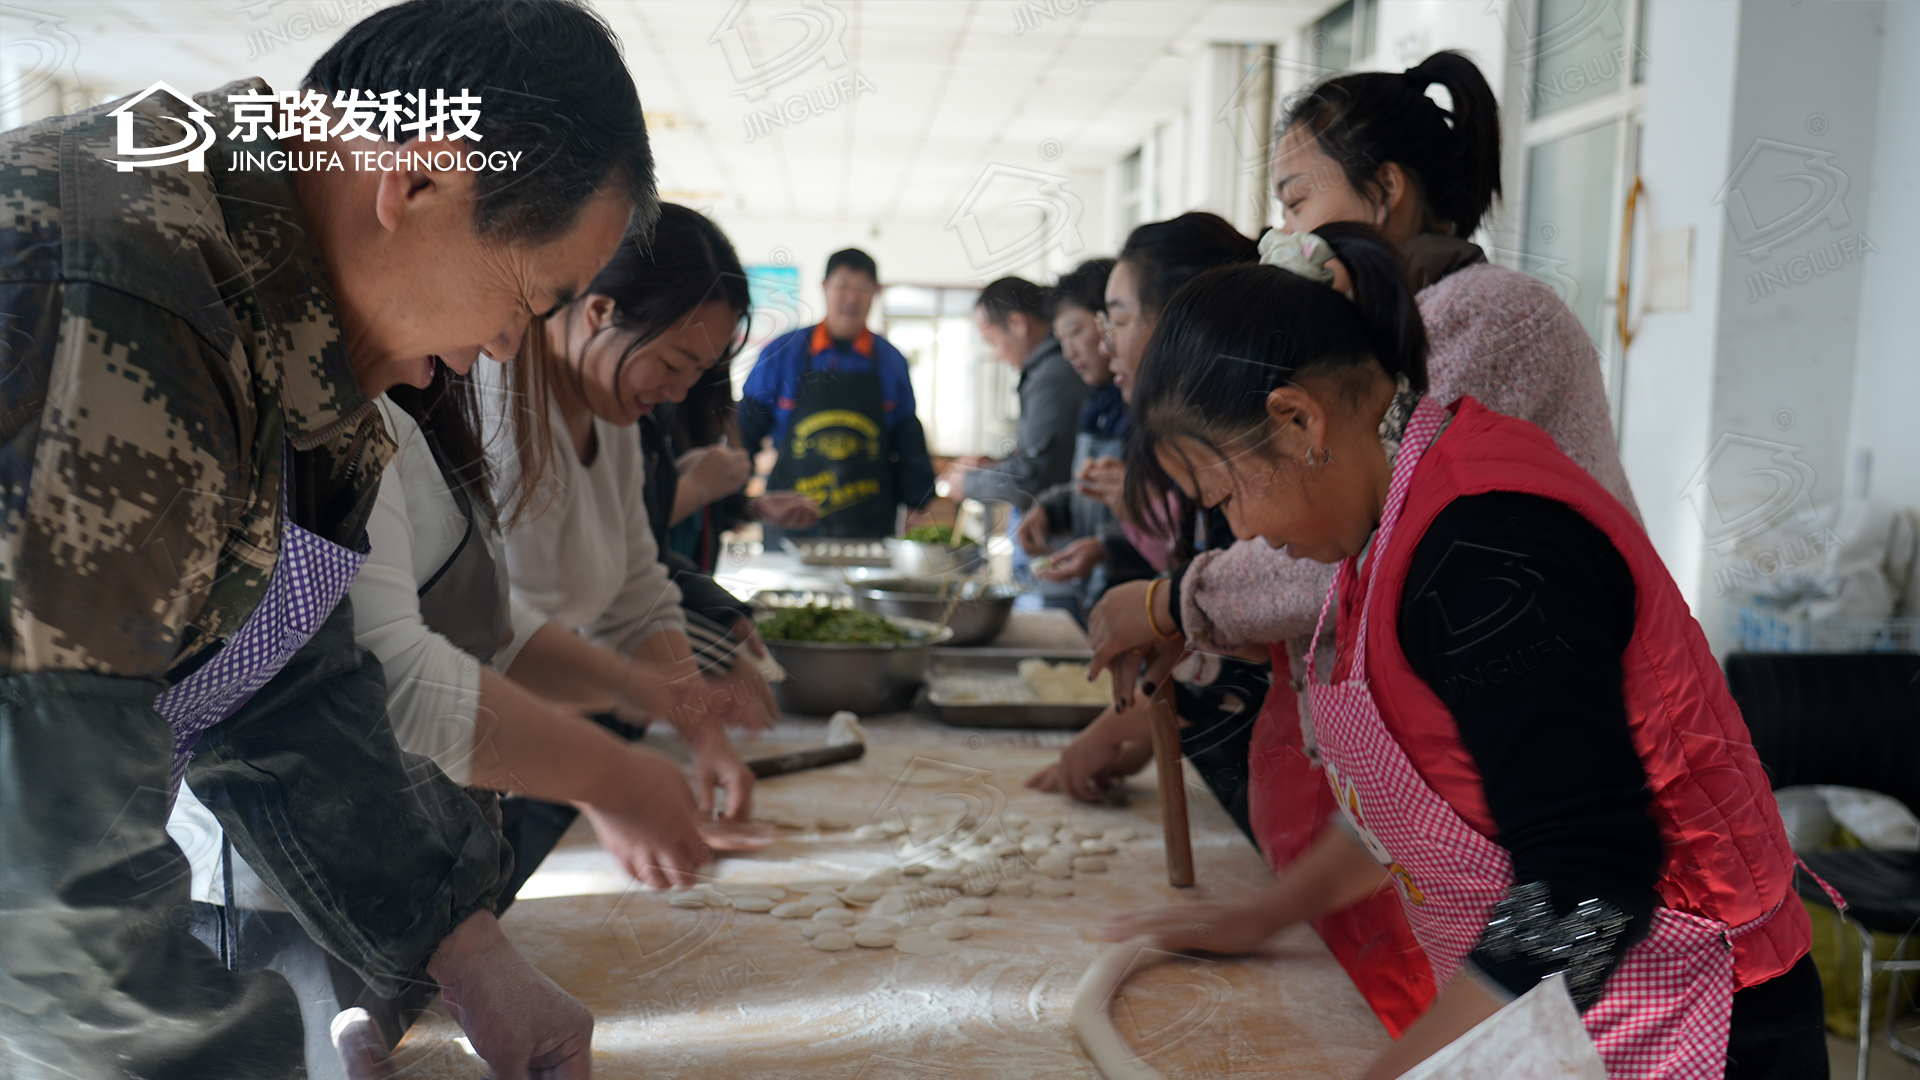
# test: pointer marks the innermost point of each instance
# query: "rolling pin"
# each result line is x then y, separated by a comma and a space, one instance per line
1173, 785
782, 764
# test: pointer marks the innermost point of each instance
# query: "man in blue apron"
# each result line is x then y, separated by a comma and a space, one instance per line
837, 400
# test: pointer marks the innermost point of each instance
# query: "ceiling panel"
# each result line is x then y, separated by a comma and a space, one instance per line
957, 87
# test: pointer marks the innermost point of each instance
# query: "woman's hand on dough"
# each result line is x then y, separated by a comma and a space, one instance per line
717, 764
1096, 757
1218, 928
648, 823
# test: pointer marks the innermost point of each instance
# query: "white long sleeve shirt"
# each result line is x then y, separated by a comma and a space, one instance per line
587, 561
433, 686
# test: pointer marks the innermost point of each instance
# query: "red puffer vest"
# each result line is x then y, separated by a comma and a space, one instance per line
1727, 854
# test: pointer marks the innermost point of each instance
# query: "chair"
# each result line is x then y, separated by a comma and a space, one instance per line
1853, 720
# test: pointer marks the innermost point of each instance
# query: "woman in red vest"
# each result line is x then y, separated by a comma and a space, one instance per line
1523, 727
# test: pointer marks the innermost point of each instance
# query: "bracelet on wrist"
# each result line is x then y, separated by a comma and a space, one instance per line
1153, 624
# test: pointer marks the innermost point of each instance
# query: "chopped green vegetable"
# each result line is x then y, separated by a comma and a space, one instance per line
931, 534
818, 623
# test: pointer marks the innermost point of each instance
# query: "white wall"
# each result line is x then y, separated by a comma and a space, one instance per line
1666, 404
1886, 366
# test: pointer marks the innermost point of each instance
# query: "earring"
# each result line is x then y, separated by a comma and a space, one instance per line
1316, 464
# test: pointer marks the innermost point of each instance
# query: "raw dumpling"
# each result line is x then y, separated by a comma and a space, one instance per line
832, 940
752, 903
951, 929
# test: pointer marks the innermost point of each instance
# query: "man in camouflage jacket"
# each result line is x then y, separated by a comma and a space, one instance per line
171, 353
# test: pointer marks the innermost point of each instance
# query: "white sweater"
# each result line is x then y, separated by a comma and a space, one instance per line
587, 561
433, 687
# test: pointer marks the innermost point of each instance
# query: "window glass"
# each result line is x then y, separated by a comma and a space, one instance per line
1580, 52
1332, 39
1569, 219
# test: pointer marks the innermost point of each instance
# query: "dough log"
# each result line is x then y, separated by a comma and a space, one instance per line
1093, 1025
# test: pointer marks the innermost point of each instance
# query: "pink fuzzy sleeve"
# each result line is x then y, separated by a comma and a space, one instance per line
1251, 593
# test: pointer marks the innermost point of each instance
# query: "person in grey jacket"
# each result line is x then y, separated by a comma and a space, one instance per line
1011, 315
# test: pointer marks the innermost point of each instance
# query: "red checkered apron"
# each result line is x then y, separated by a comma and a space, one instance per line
1665, 1010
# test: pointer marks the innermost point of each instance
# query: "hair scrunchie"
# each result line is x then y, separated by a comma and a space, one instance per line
1298, 253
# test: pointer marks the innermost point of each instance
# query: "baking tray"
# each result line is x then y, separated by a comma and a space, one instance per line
827, 551
953, 671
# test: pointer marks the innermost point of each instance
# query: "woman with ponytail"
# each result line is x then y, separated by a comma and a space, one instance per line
1373, 148
1522, 725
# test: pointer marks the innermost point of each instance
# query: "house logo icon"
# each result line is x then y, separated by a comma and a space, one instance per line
823, 29
1779, 191
192, 149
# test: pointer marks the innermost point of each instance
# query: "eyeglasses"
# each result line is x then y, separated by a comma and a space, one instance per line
1106, 326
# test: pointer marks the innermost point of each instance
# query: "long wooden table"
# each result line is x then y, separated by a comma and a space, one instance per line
721, 993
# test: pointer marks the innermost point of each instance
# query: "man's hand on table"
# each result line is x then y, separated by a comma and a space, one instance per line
520, 1023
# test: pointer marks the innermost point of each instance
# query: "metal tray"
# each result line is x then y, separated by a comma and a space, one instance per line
953, 671
823, 551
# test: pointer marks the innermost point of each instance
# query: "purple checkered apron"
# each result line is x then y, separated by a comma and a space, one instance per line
309, 578
1666, 1007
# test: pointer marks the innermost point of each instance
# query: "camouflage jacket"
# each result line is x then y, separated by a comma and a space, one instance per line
168, 335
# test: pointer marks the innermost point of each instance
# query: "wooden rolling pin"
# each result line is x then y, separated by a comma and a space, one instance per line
1173, 785
782, 764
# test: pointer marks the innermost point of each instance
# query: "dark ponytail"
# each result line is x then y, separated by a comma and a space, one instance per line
1367, 119
1233, 335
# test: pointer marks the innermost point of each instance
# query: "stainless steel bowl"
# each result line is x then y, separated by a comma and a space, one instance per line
978, 617
824, 677
916, 559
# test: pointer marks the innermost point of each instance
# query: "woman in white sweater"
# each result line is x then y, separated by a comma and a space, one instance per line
579, 547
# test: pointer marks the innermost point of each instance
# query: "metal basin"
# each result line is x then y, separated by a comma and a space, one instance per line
916, 559
824, 677
978, 618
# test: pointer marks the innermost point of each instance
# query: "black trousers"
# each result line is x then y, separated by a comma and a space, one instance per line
1779, 1028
